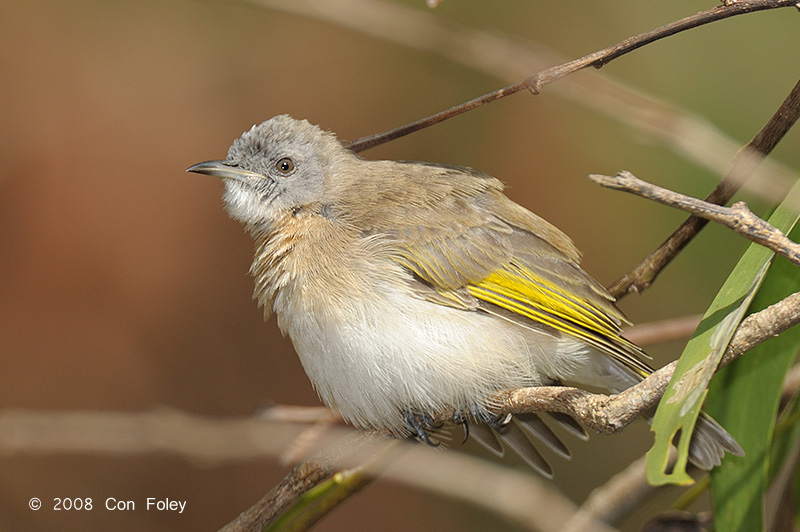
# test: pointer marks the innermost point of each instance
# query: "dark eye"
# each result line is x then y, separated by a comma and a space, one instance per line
285, 166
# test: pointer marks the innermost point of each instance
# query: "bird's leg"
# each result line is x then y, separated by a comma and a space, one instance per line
419, 424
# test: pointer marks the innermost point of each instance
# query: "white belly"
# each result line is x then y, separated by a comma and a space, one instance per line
393, 351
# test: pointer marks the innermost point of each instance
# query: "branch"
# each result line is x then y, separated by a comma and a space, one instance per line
618, 497
597, 59
300, 479
738, 217
347, 465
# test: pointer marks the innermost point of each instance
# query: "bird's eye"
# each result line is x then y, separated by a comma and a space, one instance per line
285, 166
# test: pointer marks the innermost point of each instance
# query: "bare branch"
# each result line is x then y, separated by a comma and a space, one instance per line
791, 385
297, 414
616, 498
597, 59
738, 217
349, 463
761, 326
164, 430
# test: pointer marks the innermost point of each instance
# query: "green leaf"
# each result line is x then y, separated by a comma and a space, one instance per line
687, 389
744, 397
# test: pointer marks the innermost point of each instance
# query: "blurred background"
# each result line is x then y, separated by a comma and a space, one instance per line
124, 286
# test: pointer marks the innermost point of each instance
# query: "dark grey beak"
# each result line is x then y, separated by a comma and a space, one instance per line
222, 170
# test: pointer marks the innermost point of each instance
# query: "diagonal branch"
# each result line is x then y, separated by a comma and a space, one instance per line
508, 58
300, 479
596, 59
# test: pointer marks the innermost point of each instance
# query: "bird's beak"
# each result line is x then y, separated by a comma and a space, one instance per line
222, 170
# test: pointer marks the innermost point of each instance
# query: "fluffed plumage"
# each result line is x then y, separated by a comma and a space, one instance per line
412, 288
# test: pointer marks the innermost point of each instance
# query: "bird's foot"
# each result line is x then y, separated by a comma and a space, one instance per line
419, 425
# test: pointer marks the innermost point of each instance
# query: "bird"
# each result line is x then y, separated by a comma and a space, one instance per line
412, 288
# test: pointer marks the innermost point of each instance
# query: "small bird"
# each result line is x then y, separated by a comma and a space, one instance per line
410, 288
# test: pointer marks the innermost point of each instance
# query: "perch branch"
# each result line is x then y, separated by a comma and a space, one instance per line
644, 334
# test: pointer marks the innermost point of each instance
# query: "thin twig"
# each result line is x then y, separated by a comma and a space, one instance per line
743, 165
737, 217
297, 414
791, 384
597, 59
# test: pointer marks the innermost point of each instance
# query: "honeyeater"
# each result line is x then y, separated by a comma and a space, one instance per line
410, 288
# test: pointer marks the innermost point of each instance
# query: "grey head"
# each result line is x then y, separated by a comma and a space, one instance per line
277, 167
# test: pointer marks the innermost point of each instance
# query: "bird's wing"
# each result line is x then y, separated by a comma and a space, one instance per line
471, 247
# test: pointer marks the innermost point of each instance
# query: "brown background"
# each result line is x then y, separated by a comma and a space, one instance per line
123, 286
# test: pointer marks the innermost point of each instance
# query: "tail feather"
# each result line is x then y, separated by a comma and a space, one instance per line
535, 427
515, 438
569, 424
485, 436
710, 442
520, 433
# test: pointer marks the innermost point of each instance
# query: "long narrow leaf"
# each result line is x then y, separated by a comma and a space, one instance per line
684, 396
